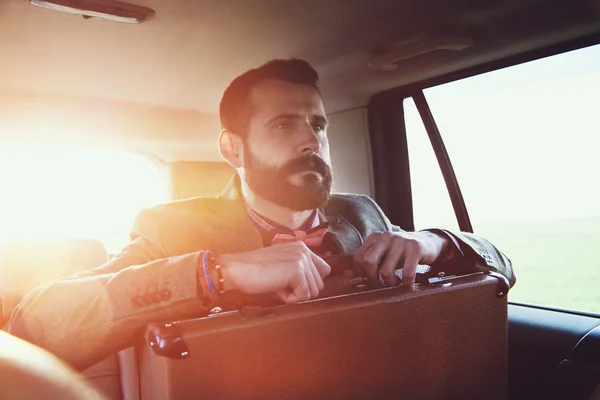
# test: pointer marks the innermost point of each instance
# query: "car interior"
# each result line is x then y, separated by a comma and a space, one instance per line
152, 89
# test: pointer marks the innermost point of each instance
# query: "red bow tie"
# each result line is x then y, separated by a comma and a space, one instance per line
312, 237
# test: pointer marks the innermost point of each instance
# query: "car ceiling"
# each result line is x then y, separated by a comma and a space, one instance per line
191, 49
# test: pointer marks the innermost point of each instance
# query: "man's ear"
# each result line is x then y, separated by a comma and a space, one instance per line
231, 148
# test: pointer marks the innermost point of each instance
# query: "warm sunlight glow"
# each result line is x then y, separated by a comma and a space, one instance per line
67, 191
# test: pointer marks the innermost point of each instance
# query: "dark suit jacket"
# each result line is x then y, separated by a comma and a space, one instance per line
86, 317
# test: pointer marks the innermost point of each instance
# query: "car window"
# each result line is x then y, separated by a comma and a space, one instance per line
431, 201
524, 144
67, 191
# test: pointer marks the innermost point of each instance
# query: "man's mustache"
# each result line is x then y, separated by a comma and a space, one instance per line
310, 163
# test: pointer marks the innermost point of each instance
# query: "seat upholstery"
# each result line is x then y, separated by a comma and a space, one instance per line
28, 372
25, 264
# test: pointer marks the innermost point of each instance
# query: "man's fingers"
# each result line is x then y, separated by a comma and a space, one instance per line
390, 264
317, 277
323, 268
392, 280
371, 240
371, 269
299, 289
409, 270
357, 262
310, 272
372, 257
360, 254
288, 297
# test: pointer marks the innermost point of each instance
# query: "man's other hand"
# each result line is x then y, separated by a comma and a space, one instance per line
292, 271
384, 252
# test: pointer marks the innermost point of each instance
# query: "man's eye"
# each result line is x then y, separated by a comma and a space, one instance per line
318, 127
284, 125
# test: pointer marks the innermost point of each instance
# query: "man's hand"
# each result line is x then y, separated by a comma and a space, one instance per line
290, 270
384, 252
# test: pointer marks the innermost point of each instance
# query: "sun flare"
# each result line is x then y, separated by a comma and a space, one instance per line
50, 191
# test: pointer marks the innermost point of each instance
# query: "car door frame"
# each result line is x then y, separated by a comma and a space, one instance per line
546, 359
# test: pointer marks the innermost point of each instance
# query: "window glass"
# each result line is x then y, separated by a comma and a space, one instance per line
63, 191
524, 143
431, 202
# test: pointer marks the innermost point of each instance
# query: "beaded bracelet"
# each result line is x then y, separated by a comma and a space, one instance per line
220, 281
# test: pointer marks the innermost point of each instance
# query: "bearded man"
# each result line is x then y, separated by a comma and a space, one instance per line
269, 232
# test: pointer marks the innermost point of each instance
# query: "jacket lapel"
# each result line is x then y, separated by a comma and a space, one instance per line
344, 236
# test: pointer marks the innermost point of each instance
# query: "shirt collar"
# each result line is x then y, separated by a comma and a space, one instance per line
266, 225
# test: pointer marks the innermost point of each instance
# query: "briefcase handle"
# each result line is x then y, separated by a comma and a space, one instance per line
340, 283
341, 264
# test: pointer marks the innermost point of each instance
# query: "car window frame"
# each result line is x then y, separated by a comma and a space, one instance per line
387, 131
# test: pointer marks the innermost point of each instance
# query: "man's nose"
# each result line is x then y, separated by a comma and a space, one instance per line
311, 143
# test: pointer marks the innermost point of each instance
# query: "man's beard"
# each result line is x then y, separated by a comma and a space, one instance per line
273, 184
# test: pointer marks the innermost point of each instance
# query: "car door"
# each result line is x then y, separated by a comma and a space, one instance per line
511, 154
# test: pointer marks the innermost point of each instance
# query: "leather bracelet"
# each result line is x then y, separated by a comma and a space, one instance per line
202, 284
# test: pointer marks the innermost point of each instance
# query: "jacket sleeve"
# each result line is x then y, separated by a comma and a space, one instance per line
480, 254
85, 317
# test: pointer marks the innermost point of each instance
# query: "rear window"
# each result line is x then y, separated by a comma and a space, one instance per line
67, 191
524, 143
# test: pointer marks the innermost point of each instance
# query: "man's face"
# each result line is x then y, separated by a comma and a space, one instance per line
286, 151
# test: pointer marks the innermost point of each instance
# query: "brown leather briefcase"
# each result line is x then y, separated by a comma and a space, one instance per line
440, 339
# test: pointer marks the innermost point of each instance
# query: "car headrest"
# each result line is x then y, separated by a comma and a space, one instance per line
26, 264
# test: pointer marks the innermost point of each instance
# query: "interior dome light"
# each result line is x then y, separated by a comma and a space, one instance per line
109, 10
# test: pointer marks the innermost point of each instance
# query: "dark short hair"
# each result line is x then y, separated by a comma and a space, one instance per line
235, 109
